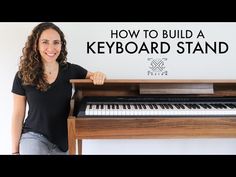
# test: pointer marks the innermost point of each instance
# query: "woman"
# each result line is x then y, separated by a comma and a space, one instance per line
43, 82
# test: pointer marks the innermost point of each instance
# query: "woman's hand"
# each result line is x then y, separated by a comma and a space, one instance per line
98, 78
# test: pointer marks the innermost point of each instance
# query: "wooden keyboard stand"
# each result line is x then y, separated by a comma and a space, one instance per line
146, 127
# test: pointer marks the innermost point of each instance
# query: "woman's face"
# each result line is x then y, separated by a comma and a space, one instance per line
49, 45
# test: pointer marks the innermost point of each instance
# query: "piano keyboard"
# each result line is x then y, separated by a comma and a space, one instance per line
162, 108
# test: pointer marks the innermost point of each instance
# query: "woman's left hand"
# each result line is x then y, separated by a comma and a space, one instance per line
98, 78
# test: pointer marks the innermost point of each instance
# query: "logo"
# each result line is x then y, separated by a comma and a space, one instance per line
157, 67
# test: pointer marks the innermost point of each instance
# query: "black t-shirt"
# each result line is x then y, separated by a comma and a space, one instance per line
48, 111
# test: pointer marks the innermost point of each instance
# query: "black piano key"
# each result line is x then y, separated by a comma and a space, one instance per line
116, 106
181, 106
234, 105
143, 106
230, 106
188, 106
196, 106
209, 106
162, 106
177, 106
150, 106
204, 106
222, 106
139, 106
214, 106
128, 106
166, 106
193, 106
170, 106
155, 106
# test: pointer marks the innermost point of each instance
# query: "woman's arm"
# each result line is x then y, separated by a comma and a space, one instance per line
18, 115
98, 78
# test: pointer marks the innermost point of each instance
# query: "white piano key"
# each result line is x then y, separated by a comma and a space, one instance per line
99, 111
107, 111
94, 110
87, 110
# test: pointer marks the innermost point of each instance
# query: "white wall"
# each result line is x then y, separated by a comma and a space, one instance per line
12, 39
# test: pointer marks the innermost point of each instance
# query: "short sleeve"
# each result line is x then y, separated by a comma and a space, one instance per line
17, 87
78, 72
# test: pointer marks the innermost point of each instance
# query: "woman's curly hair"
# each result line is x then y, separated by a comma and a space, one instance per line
31, 68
